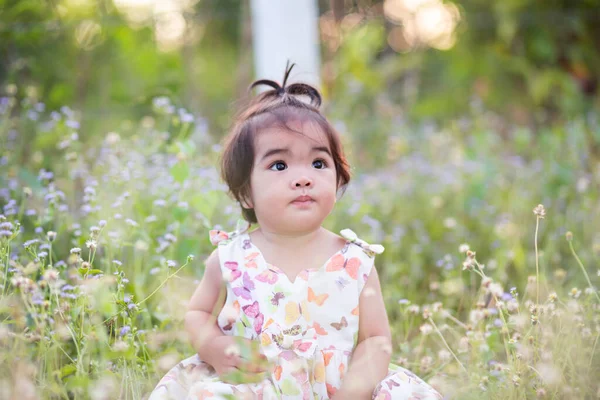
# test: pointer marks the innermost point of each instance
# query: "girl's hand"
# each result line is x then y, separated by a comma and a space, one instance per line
237, 359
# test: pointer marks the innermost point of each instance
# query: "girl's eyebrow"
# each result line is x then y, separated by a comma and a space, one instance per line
286, 150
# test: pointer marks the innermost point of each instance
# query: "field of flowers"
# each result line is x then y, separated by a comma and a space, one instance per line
490, 272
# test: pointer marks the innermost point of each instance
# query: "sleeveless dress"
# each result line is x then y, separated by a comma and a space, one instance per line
307, 328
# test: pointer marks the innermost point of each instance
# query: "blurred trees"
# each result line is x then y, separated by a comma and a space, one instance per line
532, 62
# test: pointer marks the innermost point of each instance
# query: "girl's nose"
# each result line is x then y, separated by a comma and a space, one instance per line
303, 181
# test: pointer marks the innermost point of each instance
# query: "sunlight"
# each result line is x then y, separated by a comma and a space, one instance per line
424, 22
166, 15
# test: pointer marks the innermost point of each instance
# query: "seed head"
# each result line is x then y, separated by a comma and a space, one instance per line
569, 236
540, 211
76, 250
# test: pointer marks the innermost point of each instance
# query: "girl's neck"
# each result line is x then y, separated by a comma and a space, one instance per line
288, 241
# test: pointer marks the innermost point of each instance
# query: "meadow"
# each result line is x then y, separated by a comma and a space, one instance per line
490, 272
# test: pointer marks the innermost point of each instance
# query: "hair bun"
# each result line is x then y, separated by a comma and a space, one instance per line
295, 89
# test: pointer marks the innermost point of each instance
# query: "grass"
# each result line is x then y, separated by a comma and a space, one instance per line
102, 242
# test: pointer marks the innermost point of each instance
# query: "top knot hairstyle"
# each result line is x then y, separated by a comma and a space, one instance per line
278, 107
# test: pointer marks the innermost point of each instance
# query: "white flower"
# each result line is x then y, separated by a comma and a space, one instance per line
463, 248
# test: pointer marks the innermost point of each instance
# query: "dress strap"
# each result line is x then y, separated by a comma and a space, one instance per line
370, 249
218, 236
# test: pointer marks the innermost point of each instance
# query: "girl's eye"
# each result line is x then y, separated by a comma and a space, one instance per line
319, 164
278, 166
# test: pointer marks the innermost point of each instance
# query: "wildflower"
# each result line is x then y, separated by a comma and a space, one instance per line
7, 225
131, 222
94, 230
91, 244
171, 264
540, 211
5, 233
516, 380
485, 282
154, 271
444, 355
120, 346
30, 243
569, 236
512, 306
76, 250
85, 265
404, 301
51, 235
125, 330
540, 393
575, 293
426, 329
170, 237
51, 275
413, 309
468, 264
190, 258
463, 248
549, 373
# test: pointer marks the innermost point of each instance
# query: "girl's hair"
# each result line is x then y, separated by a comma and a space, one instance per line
277, 107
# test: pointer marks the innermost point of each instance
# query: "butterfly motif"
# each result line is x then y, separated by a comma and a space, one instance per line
342, 324
318, 300
339, 262
331, 390
391, 383
276, 297
319, 329
355, 311
277, 372
341, 282
342, 370
292, 312
247, 244
294, 330
229, 326
253, 311
245, 290
319, 372
251, 260
233, 267
327, 358
217, 236
269, 276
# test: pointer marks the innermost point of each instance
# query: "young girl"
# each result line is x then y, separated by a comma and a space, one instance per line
289, 310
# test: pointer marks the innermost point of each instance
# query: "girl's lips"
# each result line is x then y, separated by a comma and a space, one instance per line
303, 201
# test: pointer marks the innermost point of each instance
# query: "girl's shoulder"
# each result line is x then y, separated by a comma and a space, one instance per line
220, 237
370, 249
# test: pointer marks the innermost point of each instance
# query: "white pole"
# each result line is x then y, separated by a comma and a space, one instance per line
285, 30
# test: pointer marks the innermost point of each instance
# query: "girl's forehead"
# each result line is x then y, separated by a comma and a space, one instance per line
296, 133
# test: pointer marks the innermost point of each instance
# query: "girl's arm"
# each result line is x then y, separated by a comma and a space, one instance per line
371, 358
204, 306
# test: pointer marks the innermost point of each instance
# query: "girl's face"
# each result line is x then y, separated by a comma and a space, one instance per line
293, 181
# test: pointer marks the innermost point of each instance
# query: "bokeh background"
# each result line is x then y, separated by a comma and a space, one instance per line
459, 117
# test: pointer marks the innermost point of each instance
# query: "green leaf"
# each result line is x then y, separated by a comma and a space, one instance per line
180, 171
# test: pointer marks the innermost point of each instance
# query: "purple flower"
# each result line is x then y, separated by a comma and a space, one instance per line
125, 330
